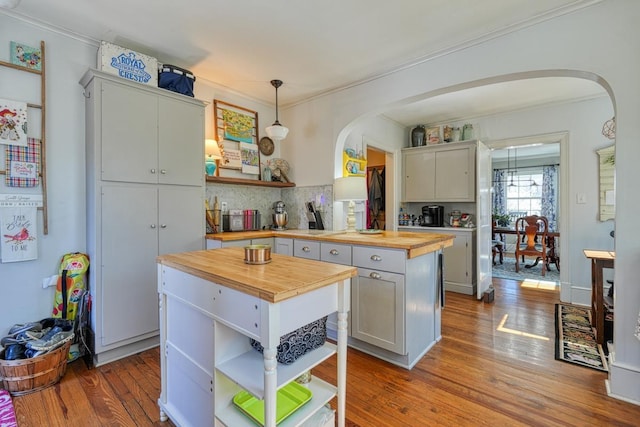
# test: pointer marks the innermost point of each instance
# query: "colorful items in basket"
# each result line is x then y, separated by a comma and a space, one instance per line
36, 338
299, 342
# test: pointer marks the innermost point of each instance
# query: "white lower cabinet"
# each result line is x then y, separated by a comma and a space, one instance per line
307, 249
167, 219
460, 274
377, 309
283, 246
206, 356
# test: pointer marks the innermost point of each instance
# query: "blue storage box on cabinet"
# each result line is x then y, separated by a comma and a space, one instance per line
176, 79
299, 342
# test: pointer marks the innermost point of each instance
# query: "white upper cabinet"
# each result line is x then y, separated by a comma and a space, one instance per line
440, 173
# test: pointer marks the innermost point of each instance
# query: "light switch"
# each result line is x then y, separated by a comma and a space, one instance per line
581, 198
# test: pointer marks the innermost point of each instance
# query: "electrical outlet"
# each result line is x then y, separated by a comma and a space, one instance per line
223, 206
49, 281
581, 198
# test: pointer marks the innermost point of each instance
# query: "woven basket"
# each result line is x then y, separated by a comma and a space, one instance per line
25, 376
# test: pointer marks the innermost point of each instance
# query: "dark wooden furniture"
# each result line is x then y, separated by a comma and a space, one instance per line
497, 245
528, 229
599, 261
552, 254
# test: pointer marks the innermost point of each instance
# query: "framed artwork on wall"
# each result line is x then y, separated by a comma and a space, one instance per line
237, 135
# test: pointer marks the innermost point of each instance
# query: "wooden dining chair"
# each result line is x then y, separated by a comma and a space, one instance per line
531, 239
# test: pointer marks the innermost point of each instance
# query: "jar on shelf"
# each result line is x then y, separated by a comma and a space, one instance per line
418, 136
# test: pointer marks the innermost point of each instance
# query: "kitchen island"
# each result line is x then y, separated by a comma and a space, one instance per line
212, 302
397, 295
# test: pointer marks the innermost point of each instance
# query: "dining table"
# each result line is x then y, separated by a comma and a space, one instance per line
552, 255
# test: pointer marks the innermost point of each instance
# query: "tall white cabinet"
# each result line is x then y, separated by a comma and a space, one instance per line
145, 197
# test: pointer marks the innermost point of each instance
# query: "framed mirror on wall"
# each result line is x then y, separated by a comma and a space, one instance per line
607, 175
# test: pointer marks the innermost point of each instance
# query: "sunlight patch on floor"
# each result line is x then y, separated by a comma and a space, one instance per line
539, 284
501, 328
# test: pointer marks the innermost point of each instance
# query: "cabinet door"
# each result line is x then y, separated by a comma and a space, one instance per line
128, 303
457, 260
378, 309
455, 175
306, 249
181, 142
419, 176
180, 220
129, 134
283, 246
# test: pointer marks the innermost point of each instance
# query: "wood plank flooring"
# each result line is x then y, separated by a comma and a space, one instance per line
487, 370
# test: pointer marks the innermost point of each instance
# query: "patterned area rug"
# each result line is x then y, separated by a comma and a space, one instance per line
7, 414
507, 270
575, 341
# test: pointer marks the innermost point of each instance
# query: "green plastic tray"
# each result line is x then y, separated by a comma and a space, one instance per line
288, 399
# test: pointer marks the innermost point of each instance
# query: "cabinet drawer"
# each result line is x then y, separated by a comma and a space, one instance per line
306, 249
379, 259
336, 253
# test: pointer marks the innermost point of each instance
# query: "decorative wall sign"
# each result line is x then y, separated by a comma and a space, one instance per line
19, 234
13, 122
250, 158
231, 156
237, 132
26, 56
22, 164
236, 123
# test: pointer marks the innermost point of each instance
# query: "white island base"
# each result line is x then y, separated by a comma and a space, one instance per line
206, 356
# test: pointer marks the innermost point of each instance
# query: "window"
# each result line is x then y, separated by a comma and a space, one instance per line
524, 192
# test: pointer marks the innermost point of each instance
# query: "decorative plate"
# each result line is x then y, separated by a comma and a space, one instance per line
279, 164
266, 146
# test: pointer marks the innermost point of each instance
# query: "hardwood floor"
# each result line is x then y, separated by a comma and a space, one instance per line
494, 366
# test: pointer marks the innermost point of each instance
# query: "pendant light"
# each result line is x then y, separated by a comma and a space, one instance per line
276, 131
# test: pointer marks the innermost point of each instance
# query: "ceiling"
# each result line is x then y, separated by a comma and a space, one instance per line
316, 47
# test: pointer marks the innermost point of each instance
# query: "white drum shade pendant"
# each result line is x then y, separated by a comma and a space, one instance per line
276, 131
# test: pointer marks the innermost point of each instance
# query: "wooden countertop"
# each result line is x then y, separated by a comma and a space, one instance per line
415, 243
284, 277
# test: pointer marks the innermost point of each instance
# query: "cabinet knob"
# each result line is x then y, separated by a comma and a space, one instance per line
375, 275
153, 170
306, 249
153, 226
163, 171
376, 258
163, 225
334, 252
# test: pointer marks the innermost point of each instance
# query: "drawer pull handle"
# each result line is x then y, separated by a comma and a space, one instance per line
306, 249
375, 275
334, 252
376, 258
153, 226
163, 171
163, 225
153, 171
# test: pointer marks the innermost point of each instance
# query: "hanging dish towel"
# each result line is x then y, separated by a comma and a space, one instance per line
23, 164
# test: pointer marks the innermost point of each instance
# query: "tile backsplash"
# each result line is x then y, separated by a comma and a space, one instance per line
263, 198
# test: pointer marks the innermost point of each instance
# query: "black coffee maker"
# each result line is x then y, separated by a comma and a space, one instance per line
432, 216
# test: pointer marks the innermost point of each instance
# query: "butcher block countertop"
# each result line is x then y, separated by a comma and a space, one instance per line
284, 277
416, 244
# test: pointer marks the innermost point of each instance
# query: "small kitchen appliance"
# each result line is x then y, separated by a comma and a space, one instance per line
432, 216
454, 218
280, 218
314, 217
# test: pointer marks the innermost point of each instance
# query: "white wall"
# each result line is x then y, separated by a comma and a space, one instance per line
22, 298
598, 43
